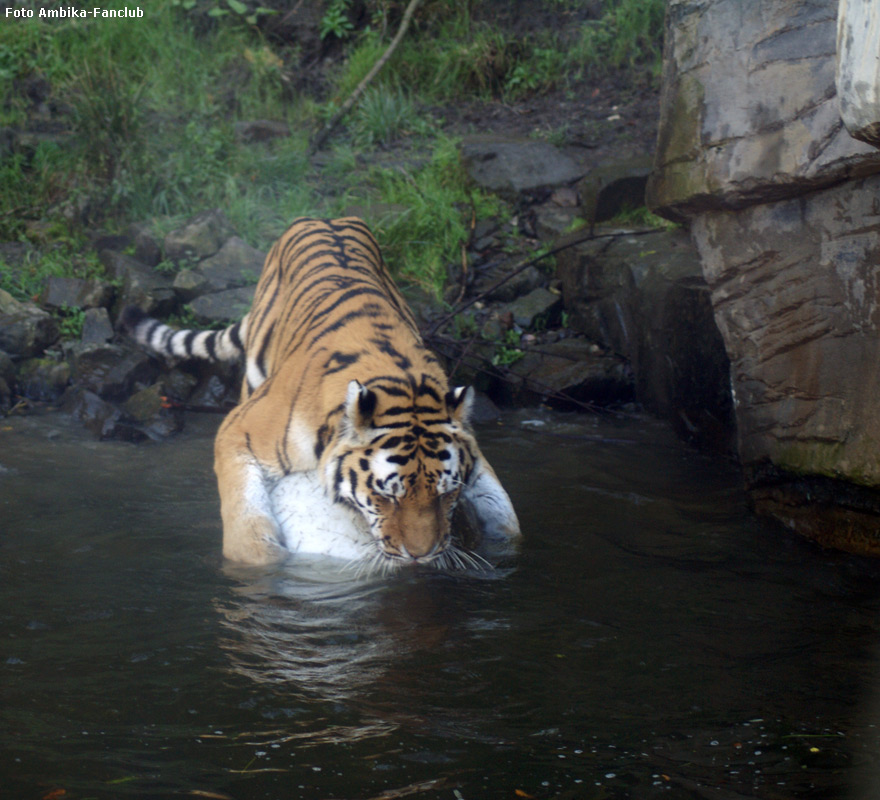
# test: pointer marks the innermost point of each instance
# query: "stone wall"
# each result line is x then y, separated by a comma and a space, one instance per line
783, 207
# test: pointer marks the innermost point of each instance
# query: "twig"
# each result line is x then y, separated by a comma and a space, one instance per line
321, 137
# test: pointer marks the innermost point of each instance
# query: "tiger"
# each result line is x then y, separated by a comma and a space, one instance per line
338, 381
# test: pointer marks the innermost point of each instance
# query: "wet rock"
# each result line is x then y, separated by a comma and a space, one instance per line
223, 307
76, 293
104, 420
781, 202
795, 290
858, 69
615, 187
202, 236
645, 298
539, 304
217, 387
728, 137
25, 330
7, 368
148, 410
510, 166
142, 286
260, 130
43, 379
575, 369
111, 371
234, 265
97, 327
7, 380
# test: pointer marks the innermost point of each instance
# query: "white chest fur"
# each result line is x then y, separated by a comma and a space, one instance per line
312, 523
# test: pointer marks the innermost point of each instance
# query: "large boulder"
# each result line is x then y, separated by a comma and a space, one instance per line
782, 206
749, 111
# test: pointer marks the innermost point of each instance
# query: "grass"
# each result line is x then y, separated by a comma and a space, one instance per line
150, 105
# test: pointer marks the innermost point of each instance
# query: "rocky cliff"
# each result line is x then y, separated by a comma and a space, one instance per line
782, 205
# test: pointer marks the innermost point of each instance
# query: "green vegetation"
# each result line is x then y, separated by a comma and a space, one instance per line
144, 119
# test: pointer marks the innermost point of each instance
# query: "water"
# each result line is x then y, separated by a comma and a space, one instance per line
650, 640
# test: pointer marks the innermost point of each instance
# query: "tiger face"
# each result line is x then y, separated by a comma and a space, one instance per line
406, 477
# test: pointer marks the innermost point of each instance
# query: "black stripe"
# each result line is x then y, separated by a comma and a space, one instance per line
188, 342
235, 336
261, 355
210, 346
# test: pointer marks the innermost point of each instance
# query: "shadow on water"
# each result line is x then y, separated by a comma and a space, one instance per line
651, 639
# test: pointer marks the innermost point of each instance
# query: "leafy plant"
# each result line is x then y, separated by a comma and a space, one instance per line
335, 21
70, 322
508, 350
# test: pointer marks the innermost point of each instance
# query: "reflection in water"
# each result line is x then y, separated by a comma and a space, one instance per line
650, 640
327, 636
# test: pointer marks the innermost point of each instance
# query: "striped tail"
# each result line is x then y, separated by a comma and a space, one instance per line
225, 345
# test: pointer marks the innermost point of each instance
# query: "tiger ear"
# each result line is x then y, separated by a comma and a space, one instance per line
460, 401
360, 406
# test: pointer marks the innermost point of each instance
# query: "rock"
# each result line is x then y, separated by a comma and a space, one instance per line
97, 327
510, 166
614, 187
103, 419
222, 307
218, 386
728, 137
110, 371
259, 130
795, 290
141, 285
234, 265
858, 69
552, 221
43, 379
539, 304
7, 368
200, 237
149, 412
25, 330
644, 298
146, 248
521, 283
575, 369
782, 208
189, 284
76, 293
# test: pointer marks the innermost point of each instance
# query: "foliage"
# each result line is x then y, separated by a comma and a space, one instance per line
629, 34
26, 280
642, 217
150, 109
335, 21
383, 114
70, 322
508, 350
420, 242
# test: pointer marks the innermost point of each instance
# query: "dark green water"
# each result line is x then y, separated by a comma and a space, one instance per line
650, 640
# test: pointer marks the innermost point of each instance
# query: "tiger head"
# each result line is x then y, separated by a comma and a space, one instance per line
403, 467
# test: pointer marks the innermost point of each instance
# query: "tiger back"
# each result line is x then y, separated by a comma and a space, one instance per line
338, 381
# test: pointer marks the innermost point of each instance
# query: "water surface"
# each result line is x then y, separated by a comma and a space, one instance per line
651, 638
